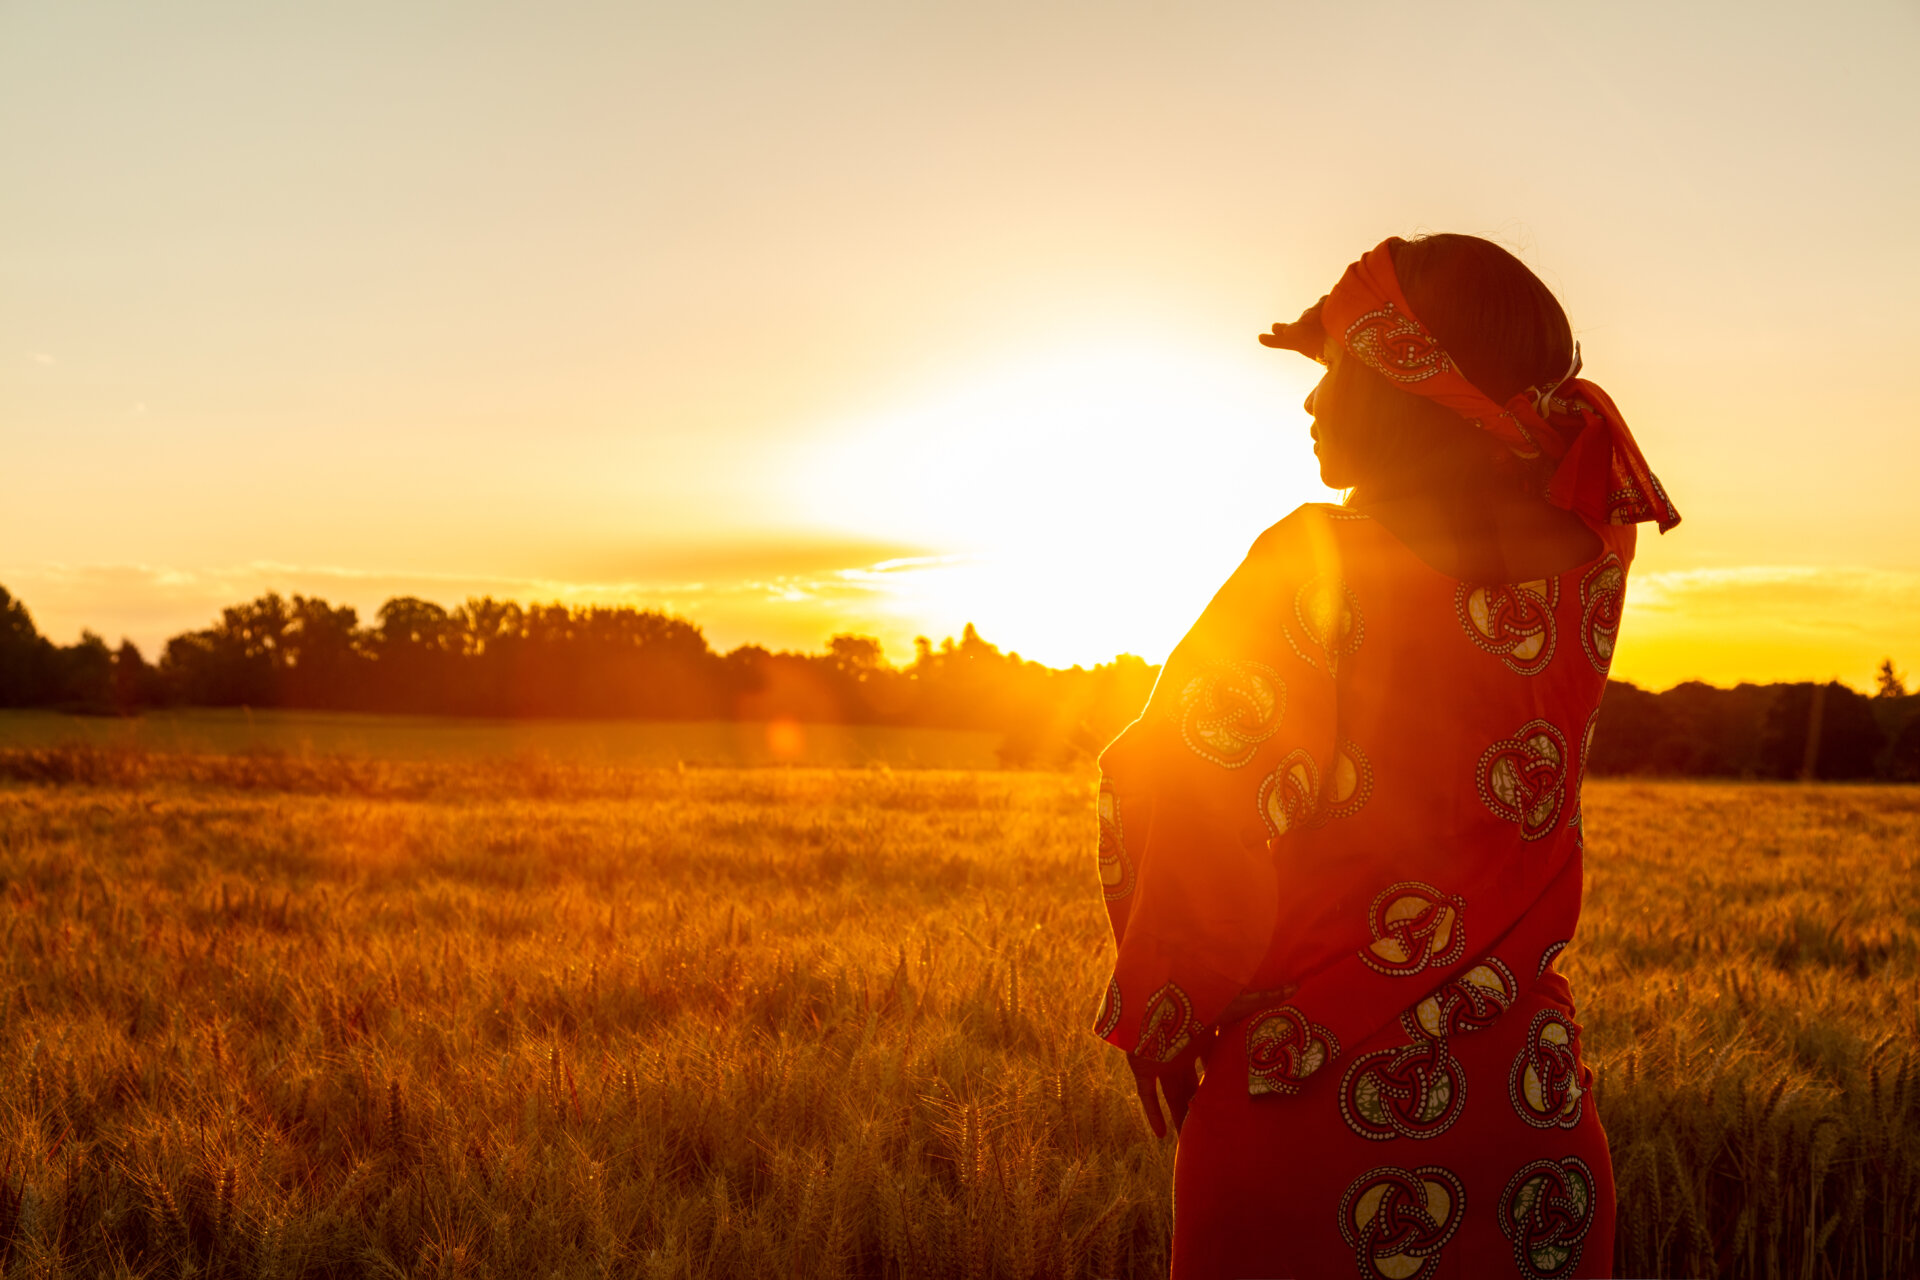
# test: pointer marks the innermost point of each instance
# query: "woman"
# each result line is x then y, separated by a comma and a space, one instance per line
1341, 848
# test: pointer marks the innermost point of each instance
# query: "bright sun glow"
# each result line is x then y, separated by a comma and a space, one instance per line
1092, 498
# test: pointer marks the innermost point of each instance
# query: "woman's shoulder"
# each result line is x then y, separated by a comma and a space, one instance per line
1316, 541
1312, 529
1318, 536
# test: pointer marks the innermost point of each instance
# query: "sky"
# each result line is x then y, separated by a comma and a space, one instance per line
884, 318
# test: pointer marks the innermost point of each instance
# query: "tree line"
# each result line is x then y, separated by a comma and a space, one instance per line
502, 659
1808, 731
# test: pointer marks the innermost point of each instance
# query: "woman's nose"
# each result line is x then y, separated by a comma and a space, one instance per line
1307, 404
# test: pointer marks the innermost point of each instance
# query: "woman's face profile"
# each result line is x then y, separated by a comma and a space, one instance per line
1336, 467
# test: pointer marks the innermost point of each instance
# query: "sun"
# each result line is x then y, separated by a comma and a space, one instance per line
1080, 502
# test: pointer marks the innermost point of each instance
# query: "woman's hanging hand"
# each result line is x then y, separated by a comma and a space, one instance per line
1178, 1080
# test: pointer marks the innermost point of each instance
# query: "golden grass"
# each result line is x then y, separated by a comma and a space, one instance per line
455, 740
271, 1017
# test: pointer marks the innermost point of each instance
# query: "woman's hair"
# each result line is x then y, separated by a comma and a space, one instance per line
1505, 331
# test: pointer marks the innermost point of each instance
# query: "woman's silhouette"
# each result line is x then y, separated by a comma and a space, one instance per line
1341, 848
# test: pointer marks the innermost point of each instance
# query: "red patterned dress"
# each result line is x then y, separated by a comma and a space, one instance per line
1344, 842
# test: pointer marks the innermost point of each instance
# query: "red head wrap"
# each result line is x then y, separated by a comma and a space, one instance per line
1600, 472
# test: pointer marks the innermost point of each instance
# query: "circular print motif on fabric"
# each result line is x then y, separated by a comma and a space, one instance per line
1328, 614
1514, 621
1523, 779
1109, 1010
1283, 1049
1545, 1082
1470, 1002
1116, 868
1290, 795
1415, 1091
1547, 1211
1349, 785
1229, 709
1398, 1220
1167, 1026
1414, 925
1602, 592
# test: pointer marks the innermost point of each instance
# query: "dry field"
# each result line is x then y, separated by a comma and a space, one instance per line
462, 740
279, 1017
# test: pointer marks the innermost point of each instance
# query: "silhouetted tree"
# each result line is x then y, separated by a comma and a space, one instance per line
326, 665
85, 680
1714, 732
24, 656
1828, 726
134, 682
1903, 763
488, 634
414, 643
1633, 732
856, 655
1889, 683
235, 662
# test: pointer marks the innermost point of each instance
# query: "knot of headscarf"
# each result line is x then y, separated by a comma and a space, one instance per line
1599, 470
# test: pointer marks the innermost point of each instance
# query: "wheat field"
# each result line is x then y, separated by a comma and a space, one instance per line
460, 740
274, 1016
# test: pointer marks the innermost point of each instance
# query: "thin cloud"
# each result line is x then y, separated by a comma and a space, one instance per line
1845, 597
766, 557
1767, 622
909, 562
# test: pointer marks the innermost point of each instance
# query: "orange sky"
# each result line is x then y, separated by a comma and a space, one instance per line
808, 318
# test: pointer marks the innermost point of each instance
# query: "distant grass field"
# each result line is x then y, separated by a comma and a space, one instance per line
306, 1017
414, 738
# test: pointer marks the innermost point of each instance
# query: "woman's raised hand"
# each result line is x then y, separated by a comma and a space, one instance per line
1303, 335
